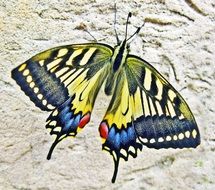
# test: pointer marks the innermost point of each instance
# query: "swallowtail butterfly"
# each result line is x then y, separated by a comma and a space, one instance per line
145, 110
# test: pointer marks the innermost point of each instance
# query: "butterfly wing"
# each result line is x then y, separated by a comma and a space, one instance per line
145, 110
165, 120
65, 80
116, 129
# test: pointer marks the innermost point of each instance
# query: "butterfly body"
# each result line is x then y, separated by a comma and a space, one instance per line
119, 56
145, 110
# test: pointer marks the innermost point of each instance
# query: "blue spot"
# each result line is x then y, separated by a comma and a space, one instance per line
111, 138
124, 138
117, 141
66, 118
131, 134
68, 125
77, 120
64, 111
111, 134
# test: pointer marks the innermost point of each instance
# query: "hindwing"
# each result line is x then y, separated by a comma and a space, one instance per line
65, 80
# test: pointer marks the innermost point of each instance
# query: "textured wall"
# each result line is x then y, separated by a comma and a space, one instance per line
180, 43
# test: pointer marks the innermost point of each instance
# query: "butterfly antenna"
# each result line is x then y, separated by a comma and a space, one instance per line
126, 29
136, 32
91, 35
117, 38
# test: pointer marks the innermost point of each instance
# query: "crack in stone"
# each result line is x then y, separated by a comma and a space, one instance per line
195, 7
172, 66
181, 14
200, 79
157, 21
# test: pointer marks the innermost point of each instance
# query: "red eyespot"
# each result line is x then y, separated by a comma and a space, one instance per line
84, 120
103, 130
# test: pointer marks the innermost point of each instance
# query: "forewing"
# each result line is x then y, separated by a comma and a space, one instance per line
50, 78
65, 80
161, 117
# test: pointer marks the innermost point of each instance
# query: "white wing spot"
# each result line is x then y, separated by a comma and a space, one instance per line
107, 148
26, 72
49, 129
144, 140
55, 113
175, 138
57, 129
194, 133
181, 117
40, 96
152, 140
131, 149
168, 138
123, 152
52, 123
187, 134
181, 136
32, 84
44, 102
36, 90
160, 139
49, 106
29, 79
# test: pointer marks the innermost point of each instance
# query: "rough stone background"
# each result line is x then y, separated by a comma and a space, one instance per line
180, 43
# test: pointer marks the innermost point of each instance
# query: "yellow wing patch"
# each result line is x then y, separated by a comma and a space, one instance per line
120, 108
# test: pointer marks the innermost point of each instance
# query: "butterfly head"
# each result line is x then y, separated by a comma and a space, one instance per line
121, 50
126, 39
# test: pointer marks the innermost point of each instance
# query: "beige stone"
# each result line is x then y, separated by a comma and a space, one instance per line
180, 43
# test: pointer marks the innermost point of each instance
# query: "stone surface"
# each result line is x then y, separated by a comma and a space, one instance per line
179, 41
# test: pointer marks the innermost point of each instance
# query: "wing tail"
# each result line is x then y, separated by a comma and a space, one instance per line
57, 140
116, 165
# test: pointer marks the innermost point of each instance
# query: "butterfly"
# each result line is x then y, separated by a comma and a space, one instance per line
144, 110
